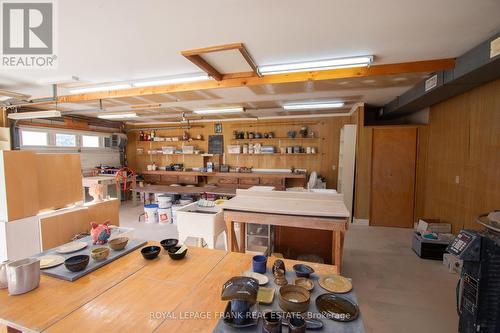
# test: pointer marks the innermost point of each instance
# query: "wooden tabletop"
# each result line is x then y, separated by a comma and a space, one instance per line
131, 294
289, 203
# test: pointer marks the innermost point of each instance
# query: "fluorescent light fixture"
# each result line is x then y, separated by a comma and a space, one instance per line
220, 111
34, 115
361, 61
117, 116
82, 90
313, 106
172, 80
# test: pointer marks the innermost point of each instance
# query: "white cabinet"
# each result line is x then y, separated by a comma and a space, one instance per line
347, 158
20, 238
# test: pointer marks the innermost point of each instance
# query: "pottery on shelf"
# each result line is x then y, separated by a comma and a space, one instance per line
100, 233
96, 191
118, 243
150, 252
100, 254
77, 263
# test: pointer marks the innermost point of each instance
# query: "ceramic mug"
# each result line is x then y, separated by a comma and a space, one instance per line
239, 311
259, 263
297, 325
272, 322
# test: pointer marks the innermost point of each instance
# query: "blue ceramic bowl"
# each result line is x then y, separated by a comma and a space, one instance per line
302, 270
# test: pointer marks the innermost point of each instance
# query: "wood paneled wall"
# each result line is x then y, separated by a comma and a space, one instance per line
463, 140
326, 129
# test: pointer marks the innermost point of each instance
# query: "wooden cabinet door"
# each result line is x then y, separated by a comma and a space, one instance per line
393, 177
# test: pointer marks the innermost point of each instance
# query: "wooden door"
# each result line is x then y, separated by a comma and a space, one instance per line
393, 177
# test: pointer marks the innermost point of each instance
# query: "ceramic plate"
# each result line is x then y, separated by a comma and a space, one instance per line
71, 247
265, 295
335, 283
50, 261
337, 308
263, 280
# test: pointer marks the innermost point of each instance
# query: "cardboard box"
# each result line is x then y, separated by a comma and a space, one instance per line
433, 225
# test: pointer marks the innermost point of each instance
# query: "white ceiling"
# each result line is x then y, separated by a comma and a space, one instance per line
120, 40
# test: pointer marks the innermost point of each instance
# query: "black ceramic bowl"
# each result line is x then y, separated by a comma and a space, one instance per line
150, 252
168, 243
302, 270
176, 256
77, 263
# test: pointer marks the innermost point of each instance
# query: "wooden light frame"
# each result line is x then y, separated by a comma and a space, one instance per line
195, 56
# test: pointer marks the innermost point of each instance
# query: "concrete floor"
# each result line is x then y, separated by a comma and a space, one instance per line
397, 291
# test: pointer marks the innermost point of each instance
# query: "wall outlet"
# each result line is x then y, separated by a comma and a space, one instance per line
457, 179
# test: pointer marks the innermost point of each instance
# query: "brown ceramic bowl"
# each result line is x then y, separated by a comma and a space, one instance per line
77, 263
100, 254
304, 282
118, 244
294, 298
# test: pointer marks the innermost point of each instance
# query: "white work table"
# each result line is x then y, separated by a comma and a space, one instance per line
322, 211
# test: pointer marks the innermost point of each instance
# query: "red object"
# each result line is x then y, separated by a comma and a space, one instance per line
124, 174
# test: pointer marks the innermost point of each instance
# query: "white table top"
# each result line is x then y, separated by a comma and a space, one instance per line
289, 203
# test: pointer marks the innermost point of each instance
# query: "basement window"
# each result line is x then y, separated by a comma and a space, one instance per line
90, 141
34, 138
65, 140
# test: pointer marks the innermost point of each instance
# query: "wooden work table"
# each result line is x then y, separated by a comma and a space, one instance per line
317, 211
121, 296
232, 179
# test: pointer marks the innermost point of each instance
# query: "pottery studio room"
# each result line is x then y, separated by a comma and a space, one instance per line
250, 166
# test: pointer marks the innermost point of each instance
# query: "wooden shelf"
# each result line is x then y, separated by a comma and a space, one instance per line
271, 139
274, 154
146, 154
178, 141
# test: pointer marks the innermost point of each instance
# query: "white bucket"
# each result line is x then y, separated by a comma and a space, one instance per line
165, 215
164, 201
151, 213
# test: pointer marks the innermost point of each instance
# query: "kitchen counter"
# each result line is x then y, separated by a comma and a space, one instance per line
136, 295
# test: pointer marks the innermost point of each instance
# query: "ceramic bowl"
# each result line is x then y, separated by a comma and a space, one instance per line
77, 263
176, 256
118, 244
304, 282
150, 252
100, 254
168, 243
302, 270
294, 298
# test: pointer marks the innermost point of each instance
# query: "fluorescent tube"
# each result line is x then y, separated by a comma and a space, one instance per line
172, 80
34, 114
117, 116
220, 111
313, 106
100, 88
316, 65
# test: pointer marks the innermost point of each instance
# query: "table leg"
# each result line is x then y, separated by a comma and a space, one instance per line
242, 237
336, 249
12, 330
231, 236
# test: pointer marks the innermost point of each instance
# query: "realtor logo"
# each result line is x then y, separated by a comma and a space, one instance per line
28, 34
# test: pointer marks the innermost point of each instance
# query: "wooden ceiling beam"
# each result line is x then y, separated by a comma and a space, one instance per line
234, 82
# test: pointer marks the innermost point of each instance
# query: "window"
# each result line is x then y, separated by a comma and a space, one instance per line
65, 140
32, 138
91, 141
